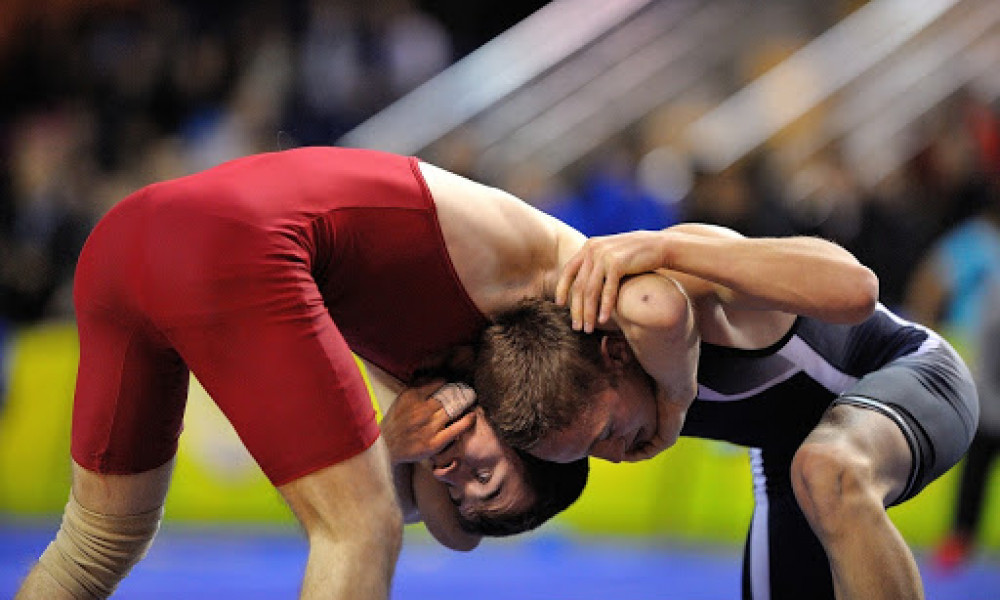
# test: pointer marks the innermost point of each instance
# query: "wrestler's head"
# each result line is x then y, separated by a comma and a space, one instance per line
501, 491
561, 394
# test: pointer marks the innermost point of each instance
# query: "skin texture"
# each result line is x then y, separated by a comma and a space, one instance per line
354, 526
502, 250
478, 469
108, 494
459, 465
745, 293
734, 291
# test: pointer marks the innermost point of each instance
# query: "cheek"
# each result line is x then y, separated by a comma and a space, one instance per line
641, 412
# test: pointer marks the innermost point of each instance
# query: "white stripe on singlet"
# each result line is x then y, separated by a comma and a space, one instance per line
817, 367
802, 357
760, 557
706, 393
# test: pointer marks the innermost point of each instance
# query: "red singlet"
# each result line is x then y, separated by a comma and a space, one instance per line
261, 276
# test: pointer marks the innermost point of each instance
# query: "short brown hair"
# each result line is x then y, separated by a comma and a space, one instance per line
534, 373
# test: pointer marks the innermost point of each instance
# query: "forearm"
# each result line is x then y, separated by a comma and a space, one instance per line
800, 275
438, 513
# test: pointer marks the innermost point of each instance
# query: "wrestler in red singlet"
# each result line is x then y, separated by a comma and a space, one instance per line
261, 276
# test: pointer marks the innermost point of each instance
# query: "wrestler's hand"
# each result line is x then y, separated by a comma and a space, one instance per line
417, 425
590, 280
670, 416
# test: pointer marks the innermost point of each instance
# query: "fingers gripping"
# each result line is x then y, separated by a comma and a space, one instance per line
589, 283
567, 278
452, 431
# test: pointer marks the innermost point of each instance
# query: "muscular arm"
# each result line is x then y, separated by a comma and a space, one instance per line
799, 275
503, 249
656, 317
438, 512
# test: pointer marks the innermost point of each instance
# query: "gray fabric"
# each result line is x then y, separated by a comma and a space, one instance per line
986, 365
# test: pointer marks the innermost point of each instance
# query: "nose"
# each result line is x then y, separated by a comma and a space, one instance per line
612, 450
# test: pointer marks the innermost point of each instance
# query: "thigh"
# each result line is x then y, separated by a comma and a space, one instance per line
131, 385
285, 378
122, 495
929, 399
344, 499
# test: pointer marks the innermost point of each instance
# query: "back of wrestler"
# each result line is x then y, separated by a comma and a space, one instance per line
260, 276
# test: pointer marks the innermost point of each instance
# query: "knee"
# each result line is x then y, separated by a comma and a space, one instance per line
834, 486
387, 520
92, 552
368, 530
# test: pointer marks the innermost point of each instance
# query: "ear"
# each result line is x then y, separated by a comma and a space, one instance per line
616, 352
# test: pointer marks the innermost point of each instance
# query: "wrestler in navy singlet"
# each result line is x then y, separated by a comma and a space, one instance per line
770, 399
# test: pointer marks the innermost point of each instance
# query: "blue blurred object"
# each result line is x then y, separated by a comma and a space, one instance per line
609, 203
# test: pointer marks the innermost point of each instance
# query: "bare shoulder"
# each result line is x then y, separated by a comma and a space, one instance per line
501, 246
466, 204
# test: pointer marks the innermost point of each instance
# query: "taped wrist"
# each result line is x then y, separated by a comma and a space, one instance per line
92, 552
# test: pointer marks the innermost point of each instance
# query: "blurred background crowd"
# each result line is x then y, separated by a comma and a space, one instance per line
101, 97
104, 96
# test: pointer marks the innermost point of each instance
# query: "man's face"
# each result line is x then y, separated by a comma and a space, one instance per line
481, 472
617, 420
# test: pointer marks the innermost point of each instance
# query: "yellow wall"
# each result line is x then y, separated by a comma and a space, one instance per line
698, 490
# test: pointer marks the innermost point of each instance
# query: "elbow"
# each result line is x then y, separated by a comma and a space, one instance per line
863, 294
653, 303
